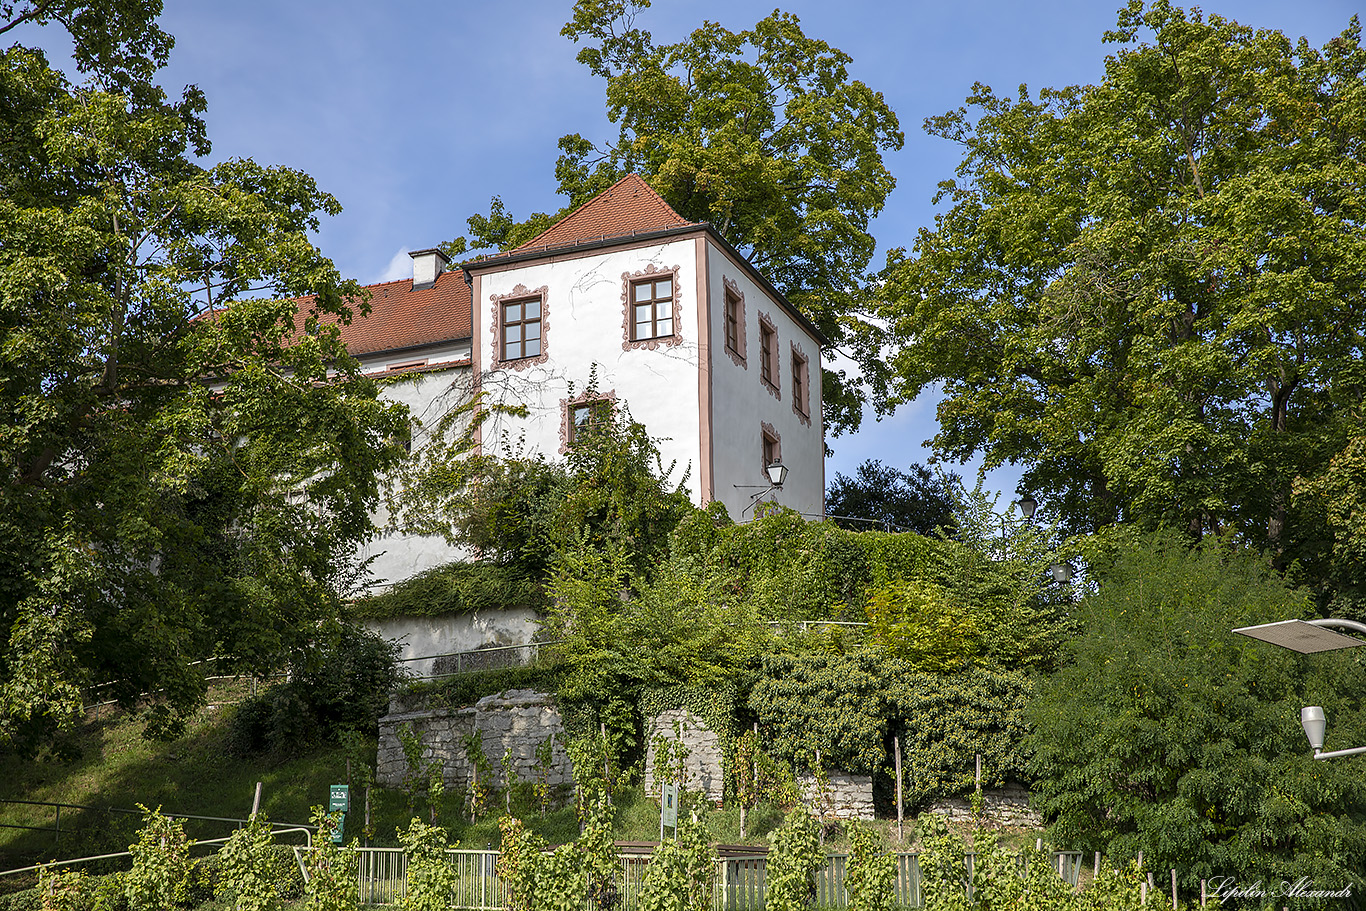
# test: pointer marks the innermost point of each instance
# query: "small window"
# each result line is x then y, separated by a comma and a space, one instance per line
521, 321
588, 418
652, 308
801, 401
766, 354
733, 318
772, 446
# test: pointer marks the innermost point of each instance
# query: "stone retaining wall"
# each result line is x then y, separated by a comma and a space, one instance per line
846, 796
516, 720
702, 768
1008, 806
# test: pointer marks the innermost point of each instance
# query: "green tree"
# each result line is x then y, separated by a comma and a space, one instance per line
760, 132
185, 466
1148, 291
884, 497
1167, 734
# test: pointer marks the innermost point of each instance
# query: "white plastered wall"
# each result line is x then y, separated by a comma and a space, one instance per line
428, 396
741, 403
584, 326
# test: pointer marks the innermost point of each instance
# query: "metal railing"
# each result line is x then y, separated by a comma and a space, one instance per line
56, 827
480, 659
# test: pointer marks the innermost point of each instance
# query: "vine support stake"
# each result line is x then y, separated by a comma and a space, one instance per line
900, 835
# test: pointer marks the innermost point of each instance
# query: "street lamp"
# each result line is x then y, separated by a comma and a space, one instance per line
1309, 637
1061, 572
776, 472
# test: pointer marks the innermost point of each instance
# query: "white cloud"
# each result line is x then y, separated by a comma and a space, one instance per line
401, 266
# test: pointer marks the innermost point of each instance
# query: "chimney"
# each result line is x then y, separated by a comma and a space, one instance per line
427, 265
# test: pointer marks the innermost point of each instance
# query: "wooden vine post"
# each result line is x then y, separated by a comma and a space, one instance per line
900, 835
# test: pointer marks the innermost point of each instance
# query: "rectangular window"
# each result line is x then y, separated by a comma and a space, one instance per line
771, 449
521, 329
588, 418
733, 323
652, 308
800, 401
766, 349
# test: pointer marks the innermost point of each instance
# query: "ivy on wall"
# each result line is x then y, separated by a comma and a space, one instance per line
455, 588
851, 706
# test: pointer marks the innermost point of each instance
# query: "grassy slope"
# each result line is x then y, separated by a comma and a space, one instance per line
118, 768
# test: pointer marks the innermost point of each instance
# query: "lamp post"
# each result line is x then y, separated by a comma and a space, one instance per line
1310, 637
1061, 572
776, 472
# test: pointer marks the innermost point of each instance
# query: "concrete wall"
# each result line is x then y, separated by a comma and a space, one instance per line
1008, 806
845, 796
517, 720
428, 396
421, 637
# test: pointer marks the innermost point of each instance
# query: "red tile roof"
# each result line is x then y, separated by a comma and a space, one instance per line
629, 206
402, 318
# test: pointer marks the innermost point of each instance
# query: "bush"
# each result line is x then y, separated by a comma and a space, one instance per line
1167, 734
342, 685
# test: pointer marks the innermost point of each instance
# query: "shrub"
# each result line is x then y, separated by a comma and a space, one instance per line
344, 684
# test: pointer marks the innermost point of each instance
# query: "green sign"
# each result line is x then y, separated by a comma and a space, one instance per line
339, 802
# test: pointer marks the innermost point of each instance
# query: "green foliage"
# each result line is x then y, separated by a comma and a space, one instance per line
681, 870
516, 864
1139, 288
790, 881
248, 874
482, 790
186, 472
63, 890
541, 787
1005, 881
430, 877
601, 866
870, 875
924, 624
455, 588
610, 494
340, 685
849, 707
332, 882
1165, 733
161, 863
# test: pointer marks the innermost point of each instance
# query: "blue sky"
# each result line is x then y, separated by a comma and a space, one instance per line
413, 114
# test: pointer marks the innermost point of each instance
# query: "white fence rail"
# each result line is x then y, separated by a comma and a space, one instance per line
738, 885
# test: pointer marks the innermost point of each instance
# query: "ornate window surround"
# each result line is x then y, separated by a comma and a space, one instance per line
801, 393
520, 292
733, 292
774, 382
628, 279
567, 412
